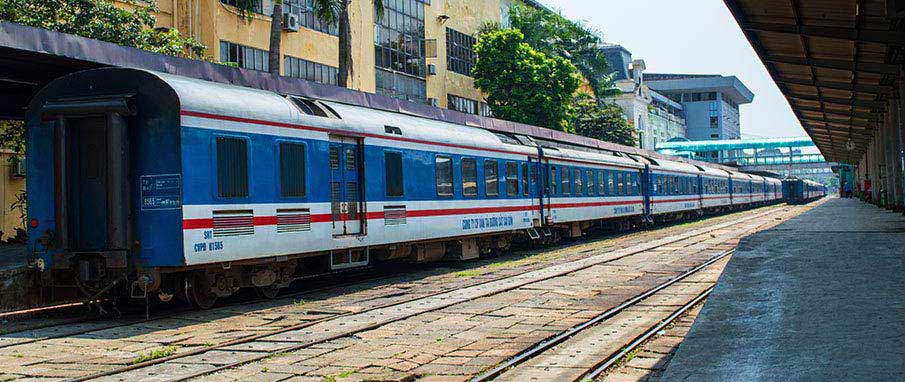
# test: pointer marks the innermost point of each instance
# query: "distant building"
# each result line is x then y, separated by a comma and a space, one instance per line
655, 117
711, 104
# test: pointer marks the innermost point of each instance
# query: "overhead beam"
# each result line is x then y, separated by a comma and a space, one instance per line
840, 122
870, 67
850, 34
862, 88
838, 101
855, 114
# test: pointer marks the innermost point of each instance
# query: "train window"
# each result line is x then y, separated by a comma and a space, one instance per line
444, 171
576, 173
610, 182
525, 184
552, 181
511, 179
601, 183
634, 184
566, 181
393, 166
232, 167
590, 182
292, 169
491, 178
675, 185
469, 177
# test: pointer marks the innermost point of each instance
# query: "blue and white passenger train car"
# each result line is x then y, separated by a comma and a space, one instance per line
160, 184
674, 188
715, 194
586, 186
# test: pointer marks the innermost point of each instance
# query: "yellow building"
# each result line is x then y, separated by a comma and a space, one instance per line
12, 183
420, 50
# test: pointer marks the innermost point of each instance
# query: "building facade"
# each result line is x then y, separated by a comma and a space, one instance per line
655, 117
711, 104
419, 50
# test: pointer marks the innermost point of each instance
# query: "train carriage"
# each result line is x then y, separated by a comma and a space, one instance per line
799, 191
586, 186
715, 193
674, 188
774, 188
758, 189
740, 188
186, 173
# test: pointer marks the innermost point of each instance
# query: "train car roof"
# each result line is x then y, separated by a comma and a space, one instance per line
591, 157
258, 105
668, 165
717, 172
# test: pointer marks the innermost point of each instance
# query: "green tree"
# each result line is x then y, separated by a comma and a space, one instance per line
601, 120
522, 84
555, 35
100, 19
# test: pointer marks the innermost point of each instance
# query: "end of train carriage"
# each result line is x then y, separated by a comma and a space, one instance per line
88, 213
801, 191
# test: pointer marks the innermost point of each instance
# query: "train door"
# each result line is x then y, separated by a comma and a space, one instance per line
530, 184
346, 186
91, 182
550, 187
88, 186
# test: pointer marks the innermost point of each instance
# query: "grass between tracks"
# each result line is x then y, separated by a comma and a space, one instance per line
155, 354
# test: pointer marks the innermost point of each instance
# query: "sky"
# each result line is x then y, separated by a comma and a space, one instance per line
695, 37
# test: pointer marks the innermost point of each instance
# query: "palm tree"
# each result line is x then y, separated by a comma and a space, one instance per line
327, 11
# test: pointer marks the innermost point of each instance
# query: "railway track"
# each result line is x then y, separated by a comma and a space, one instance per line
500, 372
85, 322
332, 327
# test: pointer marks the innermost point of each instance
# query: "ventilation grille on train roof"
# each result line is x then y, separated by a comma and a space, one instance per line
234, 223
394, 215
293, 220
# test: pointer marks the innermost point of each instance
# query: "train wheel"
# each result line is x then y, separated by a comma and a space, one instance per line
198, 291
269, 292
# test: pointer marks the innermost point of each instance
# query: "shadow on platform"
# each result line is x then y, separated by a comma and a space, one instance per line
817, 298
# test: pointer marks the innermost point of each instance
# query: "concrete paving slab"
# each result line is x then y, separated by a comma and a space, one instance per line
816, 298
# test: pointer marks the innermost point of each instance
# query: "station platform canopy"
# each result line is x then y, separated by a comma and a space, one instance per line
836, 61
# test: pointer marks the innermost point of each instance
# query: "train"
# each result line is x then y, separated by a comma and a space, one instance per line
801, 191
160, 185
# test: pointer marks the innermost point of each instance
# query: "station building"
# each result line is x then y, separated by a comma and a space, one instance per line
656, 118
420, 50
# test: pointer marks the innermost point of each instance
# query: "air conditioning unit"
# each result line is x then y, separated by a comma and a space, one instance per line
291, 22
432, 69
17, 168
433, 102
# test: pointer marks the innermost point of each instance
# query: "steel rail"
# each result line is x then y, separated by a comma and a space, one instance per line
560, 338
299, 346
609, 362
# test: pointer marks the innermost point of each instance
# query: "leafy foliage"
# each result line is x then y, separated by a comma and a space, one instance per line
601, 120
522, 84
102, 20
555, 35
12, 136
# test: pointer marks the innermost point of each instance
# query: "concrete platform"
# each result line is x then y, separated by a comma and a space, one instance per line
818, 298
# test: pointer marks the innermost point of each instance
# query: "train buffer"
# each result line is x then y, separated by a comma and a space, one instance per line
816, 298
